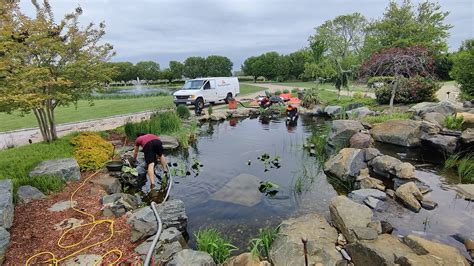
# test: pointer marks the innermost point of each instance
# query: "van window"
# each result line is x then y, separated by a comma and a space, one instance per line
193, 84
207, 85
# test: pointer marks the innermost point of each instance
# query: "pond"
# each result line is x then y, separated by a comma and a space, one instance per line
136, 90
225, 195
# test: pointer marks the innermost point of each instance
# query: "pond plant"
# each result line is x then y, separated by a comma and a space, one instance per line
183, 111
212, 242
463, 164
453, 122
310, 98
260, 246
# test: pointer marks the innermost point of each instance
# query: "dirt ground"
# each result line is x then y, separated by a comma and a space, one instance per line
33, 229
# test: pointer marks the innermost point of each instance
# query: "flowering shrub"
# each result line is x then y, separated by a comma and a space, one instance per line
91, 150
413, 90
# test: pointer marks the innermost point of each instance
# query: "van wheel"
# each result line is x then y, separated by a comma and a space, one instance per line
199, 103
228, 97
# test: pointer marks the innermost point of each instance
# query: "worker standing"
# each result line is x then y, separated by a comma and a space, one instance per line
153, 150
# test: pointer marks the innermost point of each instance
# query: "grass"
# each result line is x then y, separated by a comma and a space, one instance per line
129, 96
99, 109
249, 89
464, 166
16, 163
261, 245
183, 111
385, 117
212, 242
453, 122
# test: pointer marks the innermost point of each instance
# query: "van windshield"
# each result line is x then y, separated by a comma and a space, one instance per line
193, 84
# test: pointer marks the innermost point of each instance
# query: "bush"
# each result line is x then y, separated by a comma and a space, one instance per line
212, 242
183, 111
285, 91
278, 92
379, 79
413, 90
295, 91
358, 95
463, 68
310, 98
453, 122
91, 151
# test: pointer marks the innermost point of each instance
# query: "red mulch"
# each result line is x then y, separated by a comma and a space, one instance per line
33, 227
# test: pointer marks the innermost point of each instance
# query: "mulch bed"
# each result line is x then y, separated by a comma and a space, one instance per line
33, 227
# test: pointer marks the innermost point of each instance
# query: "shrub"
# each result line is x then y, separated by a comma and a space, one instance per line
295, 90
278, 92
286, 91
413, 90
310, 98
261, 245
183, 111
91, 150
358, 95
453, 122
212, 242
463, 68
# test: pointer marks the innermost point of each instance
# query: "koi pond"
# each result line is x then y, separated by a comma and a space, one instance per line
242, 175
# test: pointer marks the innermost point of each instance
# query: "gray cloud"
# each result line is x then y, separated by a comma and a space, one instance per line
164, 30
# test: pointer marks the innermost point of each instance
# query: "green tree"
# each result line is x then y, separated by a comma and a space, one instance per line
167, 74
218, 66
44, 64
147, 70
463, 68
297, 61
125, 71
177, 68
195, 67
252, 67
269, 65
406, 25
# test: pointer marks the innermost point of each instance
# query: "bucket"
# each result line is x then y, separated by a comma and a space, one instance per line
232, 104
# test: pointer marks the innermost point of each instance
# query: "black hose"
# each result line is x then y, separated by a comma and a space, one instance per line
251, 107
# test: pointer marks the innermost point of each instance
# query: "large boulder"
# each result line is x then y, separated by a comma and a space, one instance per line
360, 195
348, 215
445, 254
169, 142
241, 190
333, 110
191, 257
389, 166
118, 204
443, 107
143, 220
359, 112
399, 132
66, 168
467, 137
442, 143
434, 117
410, 195
346, 165
27, 194
218, 116
6, 203
340, 134
287, 247
466, 191
468, 117
4, 243
110, 184
245, 259
170, 242
361, 141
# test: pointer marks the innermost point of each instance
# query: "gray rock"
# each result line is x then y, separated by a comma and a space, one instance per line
217, 116
361, 141
27, 194
170, 242
83, 260
66, 168
365, 233
346, 165
467, 137
371, 153
468, 104
333, 110
466, 190
428, 204
169, 142
318, 110
424, 188
443, 254
361, 194
118, 204
6, 203
443, 143
347, 214
4, 243
143, 221
399, 132
387, 227
374, 203
434, 117
62, 206
191, 257
443, 107
340, 134
389, 166
410, 195
241, 190
287, 247
359, 112
110, 184
376, 225
430, 128
239, 113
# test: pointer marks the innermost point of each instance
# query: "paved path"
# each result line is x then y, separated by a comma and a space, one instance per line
453, 90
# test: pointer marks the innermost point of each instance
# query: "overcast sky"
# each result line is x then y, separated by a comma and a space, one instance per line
164, 30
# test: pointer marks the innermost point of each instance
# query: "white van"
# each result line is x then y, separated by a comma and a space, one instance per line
207, 90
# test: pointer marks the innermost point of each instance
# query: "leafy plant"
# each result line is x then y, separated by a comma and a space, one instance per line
266, 186
464, 166
453, 122
212, 242
286, 91
310, 98
385, 117
278, 92
91, 150
261, 245
209, 109
183, 111
358, 95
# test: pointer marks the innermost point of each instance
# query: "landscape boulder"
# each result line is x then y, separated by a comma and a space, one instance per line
360, 195
346, 164
4, 243
6, 203
444, 254
371, 153
360, 141
359, 112
399, 132
434, 117
347, 215
443, 107
370, 182
27, 194
389, 166
468, 117
66, 168
443, 143
191, 257
111, 185
410, 196
467, 137
217, 116
169, 142
170, 242
245, 259
466, 191
430, 128
340, 134
118, 204
287, 247
143, 220
333, 110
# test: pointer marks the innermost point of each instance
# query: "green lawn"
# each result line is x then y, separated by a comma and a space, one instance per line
248, 89
327, 86
99, 109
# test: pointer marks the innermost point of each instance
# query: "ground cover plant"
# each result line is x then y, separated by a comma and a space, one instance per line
386, 117
91, 151
453, 122
261, 245
183, 111
212, 242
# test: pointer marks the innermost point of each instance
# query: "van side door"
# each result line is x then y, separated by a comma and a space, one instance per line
209, 91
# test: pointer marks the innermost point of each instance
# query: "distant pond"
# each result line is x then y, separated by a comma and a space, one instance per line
137, 90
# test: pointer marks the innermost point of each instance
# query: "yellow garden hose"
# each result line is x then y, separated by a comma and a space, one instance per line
55, 261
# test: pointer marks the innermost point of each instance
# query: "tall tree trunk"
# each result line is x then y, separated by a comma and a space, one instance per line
45, 124
394, 91
40, 123
51, 122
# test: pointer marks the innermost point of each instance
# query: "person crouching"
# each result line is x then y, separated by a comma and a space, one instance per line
153, 150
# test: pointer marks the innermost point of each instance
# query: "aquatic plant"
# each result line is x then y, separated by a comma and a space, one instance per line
318, 139
305, 177
385, 117
453, 122
183, 111
298, 184
463, 164
212, 242
310, 98
261, 245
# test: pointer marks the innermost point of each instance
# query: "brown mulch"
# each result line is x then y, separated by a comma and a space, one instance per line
33, 227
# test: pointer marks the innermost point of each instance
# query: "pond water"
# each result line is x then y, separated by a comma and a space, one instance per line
221, 197
136, 91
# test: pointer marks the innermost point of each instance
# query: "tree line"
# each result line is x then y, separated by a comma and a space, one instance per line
192, 67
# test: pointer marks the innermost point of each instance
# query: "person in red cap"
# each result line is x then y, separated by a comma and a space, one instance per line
153, 150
